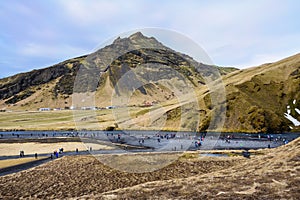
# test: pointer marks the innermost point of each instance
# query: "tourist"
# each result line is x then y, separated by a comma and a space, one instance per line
246, 154
286, 141
22, 154
35, 155
199, 143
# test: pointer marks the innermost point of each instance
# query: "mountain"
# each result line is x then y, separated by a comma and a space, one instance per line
53, 86
146, 77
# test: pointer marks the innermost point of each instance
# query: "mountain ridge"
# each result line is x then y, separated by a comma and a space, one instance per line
66, 71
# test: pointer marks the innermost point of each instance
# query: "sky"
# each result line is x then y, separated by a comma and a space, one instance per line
35, 34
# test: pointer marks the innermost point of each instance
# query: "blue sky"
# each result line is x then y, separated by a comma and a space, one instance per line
36, 34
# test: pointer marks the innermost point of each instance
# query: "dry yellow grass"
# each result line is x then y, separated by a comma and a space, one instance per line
7, 149
76, 176
18, 161
139, 162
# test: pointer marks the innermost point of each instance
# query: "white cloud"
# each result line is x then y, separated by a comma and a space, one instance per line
86, 13
259, 59
50, 51
233, 33
265, 49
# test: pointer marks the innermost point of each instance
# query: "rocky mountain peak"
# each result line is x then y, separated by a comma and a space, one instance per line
138, 40
137, 35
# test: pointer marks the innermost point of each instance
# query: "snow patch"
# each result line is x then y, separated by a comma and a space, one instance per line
291, 127
292, 119
297, 110
288, 111
294, 102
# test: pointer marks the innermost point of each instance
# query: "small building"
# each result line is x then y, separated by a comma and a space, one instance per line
110, 107
89, 108
45, 109
147, 104
72, 108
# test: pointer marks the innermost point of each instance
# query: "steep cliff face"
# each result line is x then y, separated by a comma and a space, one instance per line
21, 86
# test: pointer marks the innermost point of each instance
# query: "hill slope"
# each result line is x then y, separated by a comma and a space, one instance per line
257, 98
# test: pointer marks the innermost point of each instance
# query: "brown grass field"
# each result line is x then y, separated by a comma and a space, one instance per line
18, 161
41, 148
271, 174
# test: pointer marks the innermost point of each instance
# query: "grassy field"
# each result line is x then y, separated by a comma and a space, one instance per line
84, 175
42, 148
18, 161
9, 147
54, 120
136, 118
272, 174
36, 120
